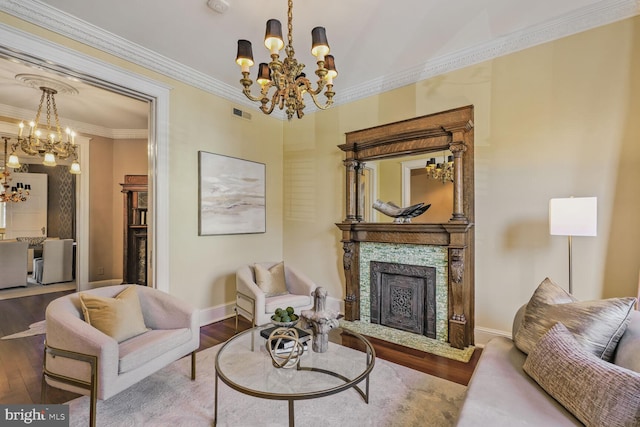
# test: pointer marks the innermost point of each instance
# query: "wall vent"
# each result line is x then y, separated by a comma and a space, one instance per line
242, 114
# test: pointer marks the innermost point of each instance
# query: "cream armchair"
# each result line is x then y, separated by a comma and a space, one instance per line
253, 304
81, 359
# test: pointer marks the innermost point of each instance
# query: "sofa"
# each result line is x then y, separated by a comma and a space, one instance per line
501, 393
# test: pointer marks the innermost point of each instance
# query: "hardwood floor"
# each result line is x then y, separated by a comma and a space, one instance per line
21, 359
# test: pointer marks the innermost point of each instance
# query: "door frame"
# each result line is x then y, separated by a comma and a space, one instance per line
65, 61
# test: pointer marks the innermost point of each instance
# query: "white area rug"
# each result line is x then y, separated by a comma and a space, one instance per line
398, 397
34, 329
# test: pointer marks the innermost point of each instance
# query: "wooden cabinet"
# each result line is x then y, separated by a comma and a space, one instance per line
134, 264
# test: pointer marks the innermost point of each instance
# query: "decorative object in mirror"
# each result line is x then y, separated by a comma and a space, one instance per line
320, 320
400, 215
47, 143
286, 76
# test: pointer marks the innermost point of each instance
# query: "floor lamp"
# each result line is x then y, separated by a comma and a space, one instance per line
574, 216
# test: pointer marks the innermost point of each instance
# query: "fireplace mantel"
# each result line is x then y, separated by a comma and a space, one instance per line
451, 130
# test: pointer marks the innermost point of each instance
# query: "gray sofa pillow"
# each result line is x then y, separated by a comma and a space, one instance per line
597, 325
596, 392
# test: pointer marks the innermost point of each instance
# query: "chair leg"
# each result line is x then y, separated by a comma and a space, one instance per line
193, 365
43, 391
236, 310
92, 408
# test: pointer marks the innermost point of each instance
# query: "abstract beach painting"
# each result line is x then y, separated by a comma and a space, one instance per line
231, 195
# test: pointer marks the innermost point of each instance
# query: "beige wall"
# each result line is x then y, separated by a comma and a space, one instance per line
556, 120
100, 210
110, 160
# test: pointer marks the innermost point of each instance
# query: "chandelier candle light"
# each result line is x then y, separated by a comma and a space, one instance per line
16, 193
51, 144
286, 76
440, 171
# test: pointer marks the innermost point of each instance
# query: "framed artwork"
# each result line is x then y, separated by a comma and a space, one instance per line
231, 195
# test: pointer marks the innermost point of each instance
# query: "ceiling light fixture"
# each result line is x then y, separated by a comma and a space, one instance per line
286, 76
48, 143
17, 193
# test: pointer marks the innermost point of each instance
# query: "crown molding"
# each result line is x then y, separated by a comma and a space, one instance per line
85, 128
595, 15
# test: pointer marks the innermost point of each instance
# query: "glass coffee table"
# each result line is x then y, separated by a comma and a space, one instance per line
244, 364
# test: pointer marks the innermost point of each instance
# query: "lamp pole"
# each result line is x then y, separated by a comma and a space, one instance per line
570, 268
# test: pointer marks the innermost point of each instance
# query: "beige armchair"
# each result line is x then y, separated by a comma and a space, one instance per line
253, 304
82, 359
13, 264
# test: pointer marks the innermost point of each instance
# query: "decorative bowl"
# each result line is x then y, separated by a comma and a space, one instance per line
286, 324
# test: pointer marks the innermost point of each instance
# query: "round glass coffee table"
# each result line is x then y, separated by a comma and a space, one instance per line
244, 364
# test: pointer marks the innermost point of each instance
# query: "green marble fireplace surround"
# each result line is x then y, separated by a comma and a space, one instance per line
422, 255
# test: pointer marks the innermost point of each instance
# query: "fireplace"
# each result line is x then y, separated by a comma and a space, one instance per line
403, 297
452, 242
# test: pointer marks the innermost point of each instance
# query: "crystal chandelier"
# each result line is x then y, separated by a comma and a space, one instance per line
49, 143
17, 193
440, 171
286, 77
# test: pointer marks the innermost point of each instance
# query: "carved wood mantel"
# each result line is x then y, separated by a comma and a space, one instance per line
449, 130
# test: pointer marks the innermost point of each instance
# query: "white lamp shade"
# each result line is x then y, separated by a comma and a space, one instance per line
575, 216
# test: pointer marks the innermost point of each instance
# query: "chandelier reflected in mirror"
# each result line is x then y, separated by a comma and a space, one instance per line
440, 171
286, 77
48, 142
16, 193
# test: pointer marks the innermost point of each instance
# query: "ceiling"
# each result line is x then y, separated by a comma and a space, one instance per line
378, 45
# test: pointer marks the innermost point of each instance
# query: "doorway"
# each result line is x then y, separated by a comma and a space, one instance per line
71, 64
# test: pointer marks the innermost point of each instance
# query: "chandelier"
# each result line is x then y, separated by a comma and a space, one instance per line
17, 193
440, 171
286, 77
49, 143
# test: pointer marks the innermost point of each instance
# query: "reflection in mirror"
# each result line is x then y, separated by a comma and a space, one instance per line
405, 181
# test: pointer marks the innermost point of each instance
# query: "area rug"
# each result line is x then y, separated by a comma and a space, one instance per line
399, 396
37, 328
418, 342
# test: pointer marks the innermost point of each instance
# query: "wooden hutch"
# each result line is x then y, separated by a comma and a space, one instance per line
134, 263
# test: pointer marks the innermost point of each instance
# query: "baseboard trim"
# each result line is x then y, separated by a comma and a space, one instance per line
215, 314
220, 312
484, 335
